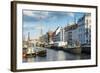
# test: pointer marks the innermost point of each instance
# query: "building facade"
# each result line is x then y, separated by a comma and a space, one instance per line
50, 37
84, 30
71, 35
58, 37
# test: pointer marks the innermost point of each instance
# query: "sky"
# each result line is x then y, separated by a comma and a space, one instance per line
34, 21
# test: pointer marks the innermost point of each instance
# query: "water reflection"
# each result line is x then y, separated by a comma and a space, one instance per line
61, 55
57, 55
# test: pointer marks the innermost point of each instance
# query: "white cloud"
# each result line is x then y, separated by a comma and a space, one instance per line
70, 14
36, 14
33, 27
41, 14
28, 13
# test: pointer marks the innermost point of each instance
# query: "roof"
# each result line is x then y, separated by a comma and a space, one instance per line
71, 27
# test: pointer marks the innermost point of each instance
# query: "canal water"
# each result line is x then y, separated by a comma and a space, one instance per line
57, 55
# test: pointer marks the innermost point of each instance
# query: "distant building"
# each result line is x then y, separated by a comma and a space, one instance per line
50, 37
44, 38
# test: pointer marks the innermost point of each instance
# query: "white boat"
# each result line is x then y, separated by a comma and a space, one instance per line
30, 52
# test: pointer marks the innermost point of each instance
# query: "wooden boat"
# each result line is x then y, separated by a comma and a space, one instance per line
41, 51
33, 52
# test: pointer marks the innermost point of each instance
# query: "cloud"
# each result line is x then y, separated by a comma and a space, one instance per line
33, 17
33, 27
36, 14
41, 14
71, 14
28, 13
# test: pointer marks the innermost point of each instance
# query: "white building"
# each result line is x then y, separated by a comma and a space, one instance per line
71, 35
84, 29
58, 37
75, 34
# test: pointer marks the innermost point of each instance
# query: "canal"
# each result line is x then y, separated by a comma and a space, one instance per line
57, 55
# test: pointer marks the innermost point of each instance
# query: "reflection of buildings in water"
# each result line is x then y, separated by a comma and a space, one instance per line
61, 55
54, 55
30, 59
